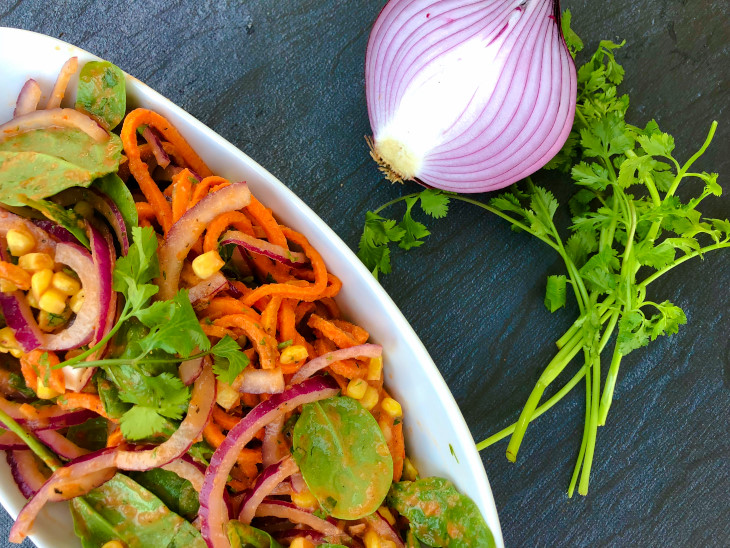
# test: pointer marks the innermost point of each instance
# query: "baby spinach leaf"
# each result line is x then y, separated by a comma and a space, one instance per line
91, 435
124, 510
241, 535
114, 187
177, 493
343, 456
67, 218
102, 93
43, 162
439, 514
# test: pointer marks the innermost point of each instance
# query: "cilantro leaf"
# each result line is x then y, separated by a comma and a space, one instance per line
434, 203
376, 235
228, 360
140, 265
555, 292
141, 422
657, 256
414, 232
572, 40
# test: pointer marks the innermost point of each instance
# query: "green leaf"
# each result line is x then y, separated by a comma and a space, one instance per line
555, 292
572, 40
414, 232
635, 170
668, 320
434, 203
91, 435
175, 492
229, 360
43, 162
241, 535
138, 267
591, 175
377, 234
343, 457
121, 509
101, 93
141, 423
599, 271
119, 193
439, 515
657, 256
67, 218
632, 332
580, 245
657, 144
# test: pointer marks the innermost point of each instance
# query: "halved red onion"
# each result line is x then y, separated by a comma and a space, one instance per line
150, 135
59, 89
9, 441
381, 526
80, 331
265, 484
360, 351
190, 370
199, 410
25, 471
272, 448
188, 469
73, 480
60, 445
28, 98
468, 97
207, 288
287, 510
55, 117
262, 247
212, 509
186, 231
43, 242
260, 381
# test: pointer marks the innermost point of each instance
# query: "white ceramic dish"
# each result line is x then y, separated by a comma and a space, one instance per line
433, 423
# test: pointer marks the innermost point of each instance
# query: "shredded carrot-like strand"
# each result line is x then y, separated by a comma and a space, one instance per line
182, 188
221, 223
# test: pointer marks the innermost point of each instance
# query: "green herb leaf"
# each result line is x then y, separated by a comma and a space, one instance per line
555, 292
434, 203
229, 360
414, 232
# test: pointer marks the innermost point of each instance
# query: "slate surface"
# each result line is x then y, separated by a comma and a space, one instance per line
283, 80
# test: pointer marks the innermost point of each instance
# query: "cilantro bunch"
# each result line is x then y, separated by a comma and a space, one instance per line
141, 386
628, 228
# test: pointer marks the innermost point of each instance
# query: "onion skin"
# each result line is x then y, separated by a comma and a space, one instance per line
468, 98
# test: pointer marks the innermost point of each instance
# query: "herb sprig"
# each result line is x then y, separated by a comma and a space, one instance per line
628, 229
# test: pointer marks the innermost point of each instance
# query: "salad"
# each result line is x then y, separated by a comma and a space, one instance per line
174, 363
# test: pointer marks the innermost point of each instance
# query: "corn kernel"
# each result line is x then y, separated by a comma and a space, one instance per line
65, 283
409, 471
40, 282
375, 368
387, 544
356, 388
45, 392
293, 354
114, 544
305, 500
52, 301
33, 262
370, 399
8, 343
372, 540
77, 301
226, 396
20, 241
50, 322
32, 301
84, 209
301, 542
207, 264
385, 512
392, 407
7, 286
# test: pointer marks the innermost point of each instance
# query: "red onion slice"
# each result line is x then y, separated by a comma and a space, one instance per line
272, 447
262, 247
468, 97
260, 381
201, 406
55, 117
381, 526
75, 479
287, 510
213, 513
9, 441
190, 370
207, 288
186, 231
28, 98
265, 484
25, 471
59, 89
150, 135
360, 351
46, 418
60, 445
43, 242
20, 319
89, 316
187, 469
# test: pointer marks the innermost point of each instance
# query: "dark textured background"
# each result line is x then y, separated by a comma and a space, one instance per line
283, 80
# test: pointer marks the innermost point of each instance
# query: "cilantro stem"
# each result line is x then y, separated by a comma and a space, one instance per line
609, 386
692, 160
670, 266
595, 374
584, 439
48, 458
395, 201
602, 307
134, 361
